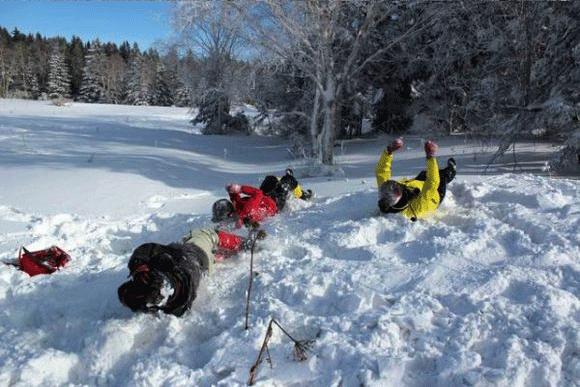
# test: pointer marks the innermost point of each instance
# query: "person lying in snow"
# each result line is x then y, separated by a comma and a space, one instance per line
278, 188
414, 198
166, 277
249, 205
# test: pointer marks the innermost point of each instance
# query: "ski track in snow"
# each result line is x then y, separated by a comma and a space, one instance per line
485, 293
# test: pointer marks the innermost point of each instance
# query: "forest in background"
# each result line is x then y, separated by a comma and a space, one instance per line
319, 71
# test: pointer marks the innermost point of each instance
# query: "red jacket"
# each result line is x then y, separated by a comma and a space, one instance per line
255, 206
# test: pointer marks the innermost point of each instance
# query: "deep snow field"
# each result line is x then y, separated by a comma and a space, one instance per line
484, 293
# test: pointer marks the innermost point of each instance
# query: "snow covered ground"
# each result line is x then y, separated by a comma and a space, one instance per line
485, 293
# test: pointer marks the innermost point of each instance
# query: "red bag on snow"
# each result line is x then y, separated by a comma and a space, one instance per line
45, 261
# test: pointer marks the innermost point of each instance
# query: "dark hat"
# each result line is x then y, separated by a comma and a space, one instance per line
390, 193
222, 210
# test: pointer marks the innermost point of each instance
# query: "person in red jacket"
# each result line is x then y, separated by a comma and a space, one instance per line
247, 206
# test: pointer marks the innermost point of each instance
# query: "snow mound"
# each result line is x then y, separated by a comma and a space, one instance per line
485, 293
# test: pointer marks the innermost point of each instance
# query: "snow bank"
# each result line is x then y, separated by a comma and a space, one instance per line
485, 293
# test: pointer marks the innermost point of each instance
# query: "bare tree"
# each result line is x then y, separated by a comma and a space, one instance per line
502, 70
326, 40
211, 29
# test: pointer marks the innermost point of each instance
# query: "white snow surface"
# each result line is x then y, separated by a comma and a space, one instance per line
484, 293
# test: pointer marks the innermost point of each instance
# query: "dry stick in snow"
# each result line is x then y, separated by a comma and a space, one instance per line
301, 348
254, 369
254, 238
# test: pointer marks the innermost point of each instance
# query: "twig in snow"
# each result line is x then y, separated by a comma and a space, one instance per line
301, 349
253, 239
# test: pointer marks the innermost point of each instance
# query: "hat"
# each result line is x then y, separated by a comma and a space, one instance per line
390, 193
222, 210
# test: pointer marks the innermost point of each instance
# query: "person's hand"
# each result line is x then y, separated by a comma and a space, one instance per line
260, 234
430, 148
395, 145
251, 224
233, 188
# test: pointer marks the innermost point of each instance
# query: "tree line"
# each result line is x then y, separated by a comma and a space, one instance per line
33, 67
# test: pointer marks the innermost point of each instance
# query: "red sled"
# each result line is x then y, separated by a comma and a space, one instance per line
45, 261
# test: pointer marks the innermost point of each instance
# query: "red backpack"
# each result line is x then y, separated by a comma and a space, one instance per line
45, 261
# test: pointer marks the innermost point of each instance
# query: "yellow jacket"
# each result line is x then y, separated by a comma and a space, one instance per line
298, 192
428, 200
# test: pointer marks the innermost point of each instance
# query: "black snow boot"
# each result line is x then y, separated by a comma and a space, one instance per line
451, 170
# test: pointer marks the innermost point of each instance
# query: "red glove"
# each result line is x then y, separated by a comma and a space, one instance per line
233, 188
430, 148
395, 145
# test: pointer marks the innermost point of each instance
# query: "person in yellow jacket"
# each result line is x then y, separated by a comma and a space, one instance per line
413, 198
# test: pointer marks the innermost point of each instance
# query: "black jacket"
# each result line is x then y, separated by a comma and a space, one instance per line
180, 264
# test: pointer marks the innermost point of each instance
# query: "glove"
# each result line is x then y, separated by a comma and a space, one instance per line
430, 148
252, 224
260, 235
254, 236
233, 188
395, 145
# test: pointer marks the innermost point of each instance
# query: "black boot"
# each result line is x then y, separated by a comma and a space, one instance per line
451, 163
451, 170
306, 194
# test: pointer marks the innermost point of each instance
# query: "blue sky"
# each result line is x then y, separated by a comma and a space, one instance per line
143, 22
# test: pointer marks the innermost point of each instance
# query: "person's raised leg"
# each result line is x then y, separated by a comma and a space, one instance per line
446, 176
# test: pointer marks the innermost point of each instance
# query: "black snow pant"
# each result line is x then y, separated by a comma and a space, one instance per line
271, 187
446, 176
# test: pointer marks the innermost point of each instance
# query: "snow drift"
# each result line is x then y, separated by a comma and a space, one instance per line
484, 293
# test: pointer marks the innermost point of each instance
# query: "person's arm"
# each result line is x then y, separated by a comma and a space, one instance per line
383, 168
230, 242
429, 191
234, 192
255, 195
235, 199
432, 179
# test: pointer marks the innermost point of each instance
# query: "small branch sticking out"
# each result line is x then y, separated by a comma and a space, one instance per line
253, 237
300, 352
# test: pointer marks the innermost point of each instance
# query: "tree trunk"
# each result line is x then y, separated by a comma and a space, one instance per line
314, 124
327, 151
329, 125
527, 60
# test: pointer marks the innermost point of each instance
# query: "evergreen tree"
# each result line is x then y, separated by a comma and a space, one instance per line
182, 96
31, 83
162, 94
75, 61
137, 90
58, 76
125, 51
214, 112
92, 89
